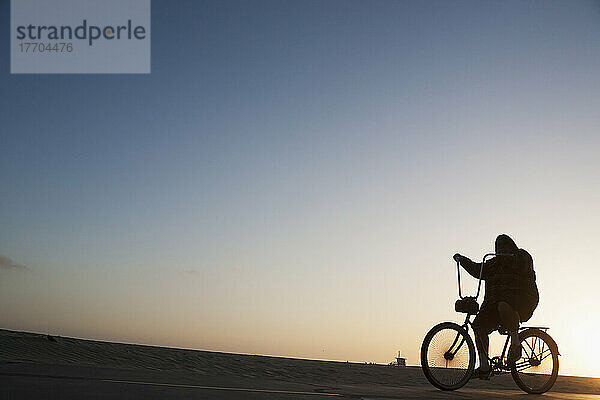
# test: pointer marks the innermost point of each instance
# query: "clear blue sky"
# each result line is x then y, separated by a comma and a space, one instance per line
293, 177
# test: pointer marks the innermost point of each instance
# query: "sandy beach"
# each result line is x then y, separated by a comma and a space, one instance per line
32, 366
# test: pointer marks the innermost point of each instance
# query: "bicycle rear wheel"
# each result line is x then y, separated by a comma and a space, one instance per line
448, 356
536, 371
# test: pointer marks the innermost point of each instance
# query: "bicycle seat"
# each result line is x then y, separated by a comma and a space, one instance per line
467, 305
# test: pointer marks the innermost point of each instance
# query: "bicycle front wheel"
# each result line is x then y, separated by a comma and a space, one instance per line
448, 356
536, 371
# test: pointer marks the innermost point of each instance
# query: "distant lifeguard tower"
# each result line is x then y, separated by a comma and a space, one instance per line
400, 361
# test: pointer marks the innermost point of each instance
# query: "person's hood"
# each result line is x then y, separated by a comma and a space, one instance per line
504, 244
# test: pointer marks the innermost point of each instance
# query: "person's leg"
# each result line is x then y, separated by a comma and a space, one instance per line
482, 341
527, 304
510, 321
484, 323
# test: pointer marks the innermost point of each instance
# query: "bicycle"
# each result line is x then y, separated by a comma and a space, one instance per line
448, 351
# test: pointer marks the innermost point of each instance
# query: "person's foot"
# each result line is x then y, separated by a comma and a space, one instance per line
484, 374
514, 353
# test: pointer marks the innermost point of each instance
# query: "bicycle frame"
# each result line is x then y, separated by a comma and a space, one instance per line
497, 361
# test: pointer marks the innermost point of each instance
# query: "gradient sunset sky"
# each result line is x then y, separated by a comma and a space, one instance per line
294, 177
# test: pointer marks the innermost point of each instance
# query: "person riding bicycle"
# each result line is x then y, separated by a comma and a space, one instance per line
511, 296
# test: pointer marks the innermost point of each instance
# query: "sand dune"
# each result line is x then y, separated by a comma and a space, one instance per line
34, 356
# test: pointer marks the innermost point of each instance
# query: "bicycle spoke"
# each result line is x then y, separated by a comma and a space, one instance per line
530, 348
523, 347
546, 356
525, 351
539, 357
523, 365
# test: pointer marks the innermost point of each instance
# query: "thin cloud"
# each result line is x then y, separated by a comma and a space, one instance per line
192, 272
8, 264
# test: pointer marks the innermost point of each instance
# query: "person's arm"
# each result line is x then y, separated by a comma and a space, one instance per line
472, 267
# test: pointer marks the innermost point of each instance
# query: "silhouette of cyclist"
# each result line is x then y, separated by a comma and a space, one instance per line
511, 296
